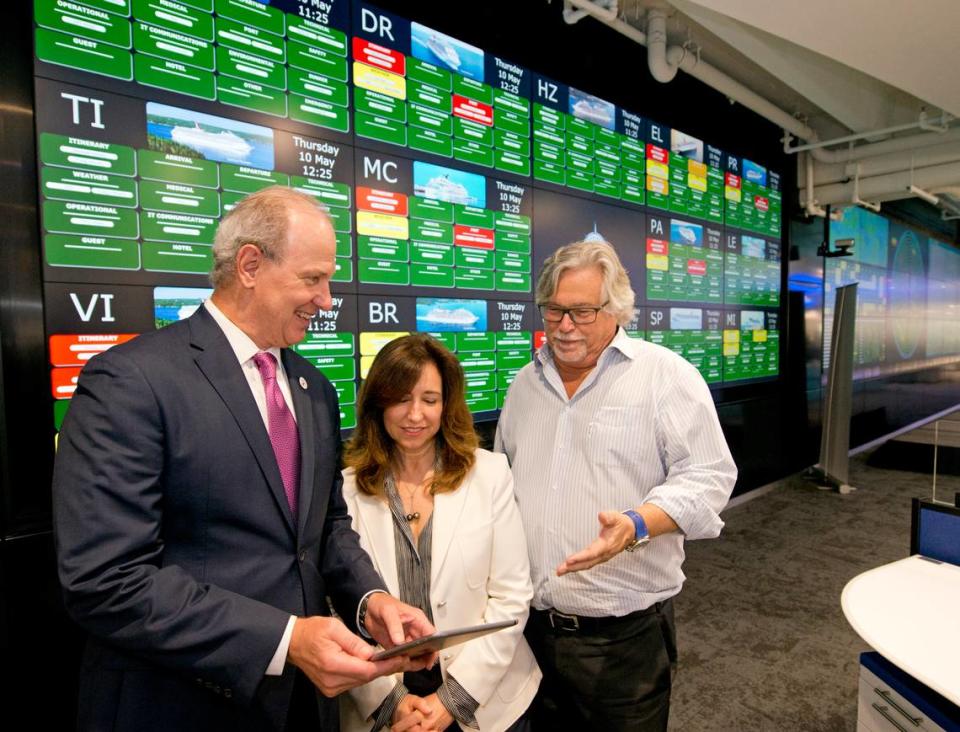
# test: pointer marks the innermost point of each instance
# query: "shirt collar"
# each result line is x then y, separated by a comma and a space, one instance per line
621, 342
243, 346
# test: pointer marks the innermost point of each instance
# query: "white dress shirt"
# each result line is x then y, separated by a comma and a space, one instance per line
641, 428
246, 349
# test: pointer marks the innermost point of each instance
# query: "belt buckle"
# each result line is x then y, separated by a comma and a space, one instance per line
562, 621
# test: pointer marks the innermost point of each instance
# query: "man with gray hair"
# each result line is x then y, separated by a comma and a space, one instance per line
198, 517
603, 427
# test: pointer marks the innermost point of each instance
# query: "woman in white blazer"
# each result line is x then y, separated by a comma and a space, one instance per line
423, 496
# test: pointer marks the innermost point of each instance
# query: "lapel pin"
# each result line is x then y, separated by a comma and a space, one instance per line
303, 383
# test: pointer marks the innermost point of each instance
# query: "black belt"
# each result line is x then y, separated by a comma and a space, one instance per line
560, 622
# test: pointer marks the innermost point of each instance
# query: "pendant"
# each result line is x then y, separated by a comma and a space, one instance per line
412, 516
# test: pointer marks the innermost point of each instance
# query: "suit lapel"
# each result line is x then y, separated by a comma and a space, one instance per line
219, 365
303, 407
447, 511
376, 524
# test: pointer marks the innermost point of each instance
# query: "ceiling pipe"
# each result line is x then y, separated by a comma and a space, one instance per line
810, 202
891, 186
921, 123
921, 158
737, 92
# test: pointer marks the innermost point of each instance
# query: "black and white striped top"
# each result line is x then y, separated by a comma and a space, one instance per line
413, 573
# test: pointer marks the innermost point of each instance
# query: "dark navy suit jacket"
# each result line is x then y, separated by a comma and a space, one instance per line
177, 551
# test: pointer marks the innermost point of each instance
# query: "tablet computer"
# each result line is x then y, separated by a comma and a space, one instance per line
443, 639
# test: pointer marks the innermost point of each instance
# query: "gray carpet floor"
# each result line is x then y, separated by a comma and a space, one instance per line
763, 642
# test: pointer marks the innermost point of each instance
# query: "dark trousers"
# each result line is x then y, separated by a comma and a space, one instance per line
610, 674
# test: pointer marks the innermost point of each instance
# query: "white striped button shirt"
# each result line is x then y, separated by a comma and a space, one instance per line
642, 428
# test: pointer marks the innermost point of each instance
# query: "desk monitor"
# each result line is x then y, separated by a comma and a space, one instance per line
935, 531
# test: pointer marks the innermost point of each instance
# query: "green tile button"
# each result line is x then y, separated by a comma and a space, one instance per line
474, 279
175, 16
383, 272
335, 368
513, 261
75, 152
379, 247
176, 257
473, 89
431, 142
576, 161
513, 222
431, 275
377, 104
473, 216
426, 95
378, 127
95, 252
427, 253
579, 127
82, 21
473, 152
550, 172
310, 84
474, 361
510, 241
449, 340
431, 120
317, 35
508, 340
343, 271
72, 217
606, 187
607, 137
511, 162
430, 208
341, 219
251, 95
172, 45
88, 187
548, 135
418, 70
479, 381
470, 257
229, 199
251, 66
580, 144
344, 244
476, 341
322, 114
547, 153
85, 54
633, 192
252, 13
513, 359
512, 102
249, 38
433, 231
579, 180
512, 142
548, 116
481, 401
178, 169
174, 76
504, 119
348, 415
177, 198
513, 281
319, 60
162, 226
247, 180
326, 344
505, 377
60, 407
346, 392
468, 130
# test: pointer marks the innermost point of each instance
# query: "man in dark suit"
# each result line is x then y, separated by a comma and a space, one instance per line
197, 509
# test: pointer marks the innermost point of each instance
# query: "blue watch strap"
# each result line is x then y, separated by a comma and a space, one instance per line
639, 525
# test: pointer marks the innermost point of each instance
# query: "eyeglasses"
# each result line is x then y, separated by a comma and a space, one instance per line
579, 315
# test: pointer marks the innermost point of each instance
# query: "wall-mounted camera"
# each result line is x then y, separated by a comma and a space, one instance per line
841, 248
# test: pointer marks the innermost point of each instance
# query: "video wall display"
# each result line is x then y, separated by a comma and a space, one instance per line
449, 173
907, 300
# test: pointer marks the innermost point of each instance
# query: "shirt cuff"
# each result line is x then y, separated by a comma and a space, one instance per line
280, 657
458, 702
384, 714
363, 631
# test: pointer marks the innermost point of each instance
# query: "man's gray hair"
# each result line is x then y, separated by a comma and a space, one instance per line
261, 219
617, 291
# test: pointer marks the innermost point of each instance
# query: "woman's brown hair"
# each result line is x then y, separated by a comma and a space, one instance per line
371, 452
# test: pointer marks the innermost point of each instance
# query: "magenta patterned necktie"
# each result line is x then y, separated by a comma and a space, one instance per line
282, 427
